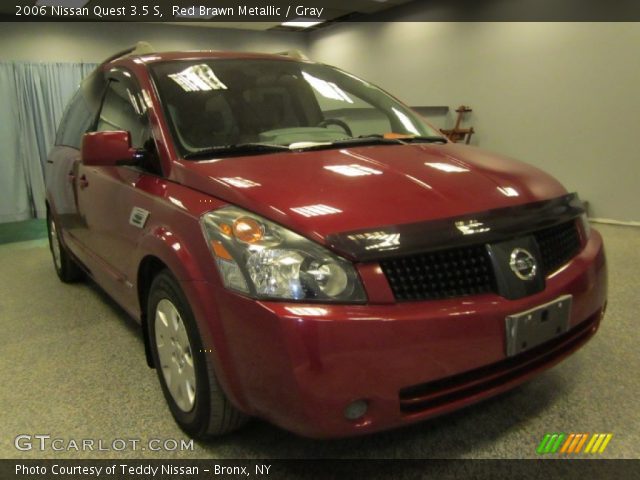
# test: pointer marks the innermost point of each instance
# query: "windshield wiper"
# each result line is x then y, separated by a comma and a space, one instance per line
418, 139
374, 139
236, 149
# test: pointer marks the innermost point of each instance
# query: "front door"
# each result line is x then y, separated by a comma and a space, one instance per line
108, 197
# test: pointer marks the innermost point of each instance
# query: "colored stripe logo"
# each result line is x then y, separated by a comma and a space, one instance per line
573, 443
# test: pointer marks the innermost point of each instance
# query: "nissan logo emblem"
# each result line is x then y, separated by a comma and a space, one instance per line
523, 264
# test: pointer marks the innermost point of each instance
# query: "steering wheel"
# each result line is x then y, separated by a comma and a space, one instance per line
339, 123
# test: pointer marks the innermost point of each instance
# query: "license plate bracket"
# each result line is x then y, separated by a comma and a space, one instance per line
533, 327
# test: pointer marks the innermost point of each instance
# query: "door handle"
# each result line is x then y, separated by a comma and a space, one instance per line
83, 182
71, 176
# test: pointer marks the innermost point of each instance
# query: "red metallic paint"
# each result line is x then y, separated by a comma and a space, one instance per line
406, 191
106, 149
299, 365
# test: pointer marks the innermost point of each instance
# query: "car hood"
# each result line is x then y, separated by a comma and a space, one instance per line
323, 192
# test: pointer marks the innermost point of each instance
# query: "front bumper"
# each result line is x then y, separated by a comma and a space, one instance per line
300, 365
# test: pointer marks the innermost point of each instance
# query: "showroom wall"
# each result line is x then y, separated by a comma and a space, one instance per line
562, 96
93, 42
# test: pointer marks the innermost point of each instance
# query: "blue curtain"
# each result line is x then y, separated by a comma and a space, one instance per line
33, 97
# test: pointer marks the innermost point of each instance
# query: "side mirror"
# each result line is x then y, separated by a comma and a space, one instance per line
108, 149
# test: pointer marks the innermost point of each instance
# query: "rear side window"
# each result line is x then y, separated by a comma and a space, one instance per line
76, 121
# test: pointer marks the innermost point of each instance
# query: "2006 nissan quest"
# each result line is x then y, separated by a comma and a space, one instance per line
300, 246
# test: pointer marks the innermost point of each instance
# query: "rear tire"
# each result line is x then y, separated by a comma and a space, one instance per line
67, 269
189, 384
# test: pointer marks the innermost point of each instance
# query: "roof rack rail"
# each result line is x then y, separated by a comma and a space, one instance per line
140, 48
297, 54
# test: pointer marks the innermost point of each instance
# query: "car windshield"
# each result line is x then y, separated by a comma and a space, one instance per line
262, 106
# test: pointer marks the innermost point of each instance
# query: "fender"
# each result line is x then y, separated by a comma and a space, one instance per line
161, 242
180, 258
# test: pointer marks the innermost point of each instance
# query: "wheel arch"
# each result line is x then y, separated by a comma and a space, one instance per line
161, 249
149, 267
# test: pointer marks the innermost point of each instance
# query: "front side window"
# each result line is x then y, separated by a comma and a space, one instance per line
221, 103
123, 109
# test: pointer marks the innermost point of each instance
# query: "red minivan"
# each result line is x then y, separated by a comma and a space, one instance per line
300, 246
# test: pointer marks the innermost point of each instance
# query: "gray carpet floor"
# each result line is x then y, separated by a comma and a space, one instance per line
73, 367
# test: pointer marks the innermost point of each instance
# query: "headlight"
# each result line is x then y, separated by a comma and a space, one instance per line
265, 260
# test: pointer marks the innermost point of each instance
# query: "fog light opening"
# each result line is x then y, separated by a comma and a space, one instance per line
356, 410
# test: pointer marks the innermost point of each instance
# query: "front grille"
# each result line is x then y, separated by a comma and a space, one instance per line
443, 274
462, 271
557, 245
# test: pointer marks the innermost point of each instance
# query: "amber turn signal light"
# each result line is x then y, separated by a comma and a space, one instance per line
220, 251
248, 230
226, 229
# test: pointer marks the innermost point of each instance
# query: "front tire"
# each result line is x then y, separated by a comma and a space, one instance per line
67, 269
190, 387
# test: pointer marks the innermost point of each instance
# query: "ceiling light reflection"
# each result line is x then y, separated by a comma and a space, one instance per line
377, 240
307, 311
239, 182
198, 78
177, 202
419, 182
146, 58
471, 227
446, 167
508, 191
406, 121
353, 170
327, 89
316, 210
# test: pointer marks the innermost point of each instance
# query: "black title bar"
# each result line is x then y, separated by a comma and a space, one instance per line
282, 11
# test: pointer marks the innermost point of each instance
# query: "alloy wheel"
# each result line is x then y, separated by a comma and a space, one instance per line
175, 355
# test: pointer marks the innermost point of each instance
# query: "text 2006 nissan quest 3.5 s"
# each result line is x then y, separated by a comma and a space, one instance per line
300, 246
